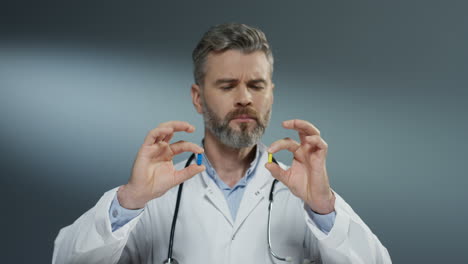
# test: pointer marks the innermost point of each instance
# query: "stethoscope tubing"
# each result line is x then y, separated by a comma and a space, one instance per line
176, 212
270, 208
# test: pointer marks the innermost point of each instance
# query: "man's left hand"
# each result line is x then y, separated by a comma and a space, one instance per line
307, 177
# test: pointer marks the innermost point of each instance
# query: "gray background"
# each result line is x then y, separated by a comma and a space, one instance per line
82, 83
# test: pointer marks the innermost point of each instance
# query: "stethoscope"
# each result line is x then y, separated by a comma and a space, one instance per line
172, 260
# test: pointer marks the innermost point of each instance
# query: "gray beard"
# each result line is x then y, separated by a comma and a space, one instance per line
230, 137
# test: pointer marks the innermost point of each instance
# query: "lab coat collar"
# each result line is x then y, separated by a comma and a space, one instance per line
256, 190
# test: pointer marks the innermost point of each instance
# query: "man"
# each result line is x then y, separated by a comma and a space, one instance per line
223, 213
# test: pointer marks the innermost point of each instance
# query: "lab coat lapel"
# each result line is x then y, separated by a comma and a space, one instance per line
255, 192
214, 195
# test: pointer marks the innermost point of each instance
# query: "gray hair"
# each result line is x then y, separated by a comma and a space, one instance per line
228, 36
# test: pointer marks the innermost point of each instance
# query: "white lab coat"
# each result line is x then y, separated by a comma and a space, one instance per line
206, 233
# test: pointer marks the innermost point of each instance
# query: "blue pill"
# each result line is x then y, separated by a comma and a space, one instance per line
199, 159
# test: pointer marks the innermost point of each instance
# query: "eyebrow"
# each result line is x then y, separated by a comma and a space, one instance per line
259, 80
231, 80
225, 80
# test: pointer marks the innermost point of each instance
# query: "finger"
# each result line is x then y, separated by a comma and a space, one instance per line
166, 130
168, 138
185, 146
188, 172
156, 134
285, 143
178, 126
301, 126
277, 172
317, 142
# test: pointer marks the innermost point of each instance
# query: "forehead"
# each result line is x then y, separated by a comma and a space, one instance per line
236, 64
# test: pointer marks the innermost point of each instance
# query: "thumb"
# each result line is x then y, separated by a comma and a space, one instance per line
188, 173
276, 171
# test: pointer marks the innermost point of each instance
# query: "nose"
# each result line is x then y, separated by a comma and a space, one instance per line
243, 96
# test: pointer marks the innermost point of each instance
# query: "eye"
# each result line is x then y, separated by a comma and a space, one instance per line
226, 88
257, 87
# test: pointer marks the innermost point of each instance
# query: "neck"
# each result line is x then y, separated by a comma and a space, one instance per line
230, 163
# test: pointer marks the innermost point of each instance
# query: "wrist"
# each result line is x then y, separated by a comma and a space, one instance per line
324, 205
128, 198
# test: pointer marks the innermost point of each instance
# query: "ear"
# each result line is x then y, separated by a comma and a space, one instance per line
196, 97
272, 93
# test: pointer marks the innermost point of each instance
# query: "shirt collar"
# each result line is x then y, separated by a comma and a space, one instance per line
259, 150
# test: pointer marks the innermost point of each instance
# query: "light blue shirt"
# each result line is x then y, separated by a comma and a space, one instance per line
233, 195
120, 216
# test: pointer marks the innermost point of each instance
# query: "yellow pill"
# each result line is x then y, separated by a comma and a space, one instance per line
270, 158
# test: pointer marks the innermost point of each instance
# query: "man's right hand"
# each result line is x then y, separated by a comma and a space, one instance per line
153, 172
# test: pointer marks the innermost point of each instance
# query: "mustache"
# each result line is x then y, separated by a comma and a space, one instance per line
250, 112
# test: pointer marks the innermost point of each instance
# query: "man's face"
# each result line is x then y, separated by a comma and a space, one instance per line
236, 98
